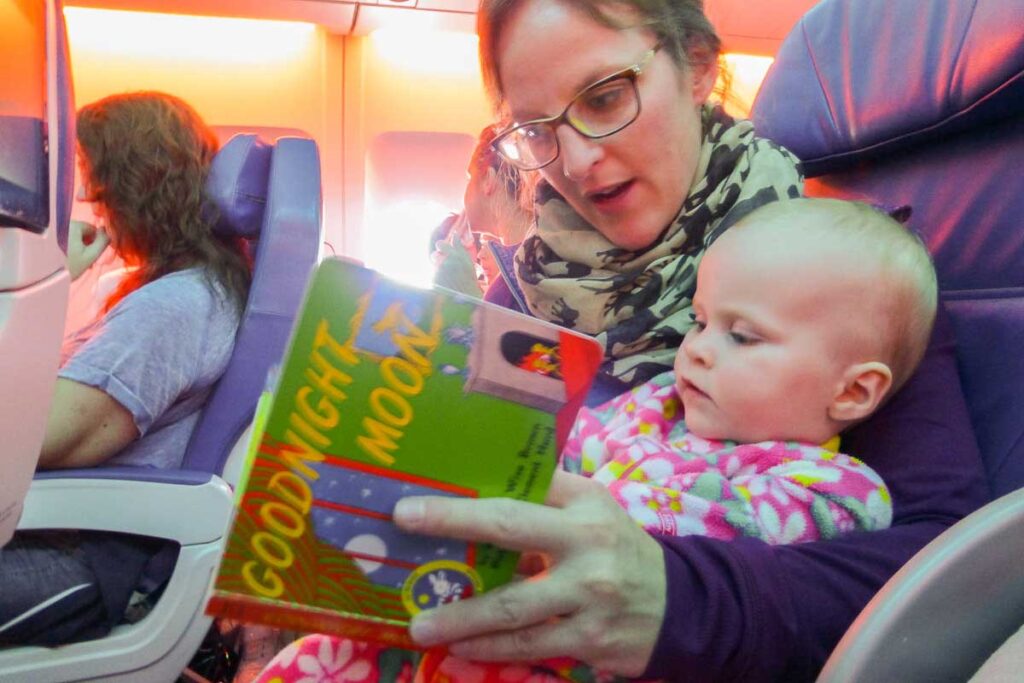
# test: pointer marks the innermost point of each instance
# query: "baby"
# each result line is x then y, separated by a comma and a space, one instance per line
807, 314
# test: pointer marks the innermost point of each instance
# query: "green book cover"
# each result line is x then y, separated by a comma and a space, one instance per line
388, 391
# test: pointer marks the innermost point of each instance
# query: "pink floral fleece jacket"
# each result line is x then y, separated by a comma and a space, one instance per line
673, 482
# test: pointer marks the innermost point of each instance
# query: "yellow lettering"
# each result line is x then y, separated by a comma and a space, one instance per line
324, 417
323, 339
272, 550
292, 489
296, 460
327, 378
390, 369
306, 430
282, 519
390, 406
380, 440
270, 585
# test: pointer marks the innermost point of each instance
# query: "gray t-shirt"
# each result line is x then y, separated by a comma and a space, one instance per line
158, 353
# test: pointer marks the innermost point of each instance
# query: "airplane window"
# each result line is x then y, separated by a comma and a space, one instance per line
413, 180
24, 169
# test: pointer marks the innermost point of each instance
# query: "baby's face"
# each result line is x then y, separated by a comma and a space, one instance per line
766, 355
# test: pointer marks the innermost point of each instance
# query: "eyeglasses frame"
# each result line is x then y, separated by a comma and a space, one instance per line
553, 122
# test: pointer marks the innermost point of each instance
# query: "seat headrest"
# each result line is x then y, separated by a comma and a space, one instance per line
237, 185
859, 78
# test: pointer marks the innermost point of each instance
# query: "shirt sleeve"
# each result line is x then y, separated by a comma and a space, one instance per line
746, 610
146, 350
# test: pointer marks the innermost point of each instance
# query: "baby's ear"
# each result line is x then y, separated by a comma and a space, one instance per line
863, 388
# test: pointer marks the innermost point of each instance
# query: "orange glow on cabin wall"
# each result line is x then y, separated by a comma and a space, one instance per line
427, 81
236, 72
231, 70
745, 73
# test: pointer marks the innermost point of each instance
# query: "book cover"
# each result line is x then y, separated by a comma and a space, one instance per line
388, 391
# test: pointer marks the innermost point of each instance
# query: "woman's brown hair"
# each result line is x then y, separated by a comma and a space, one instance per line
681, 27
146, 156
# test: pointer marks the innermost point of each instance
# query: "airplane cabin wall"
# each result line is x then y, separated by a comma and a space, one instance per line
344, 91
235, 72
399, 83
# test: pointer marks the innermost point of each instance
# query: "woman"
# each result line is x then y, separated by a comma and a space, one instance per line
638, 176
631, 195
493, 197
131, 384
493, 216
144, 159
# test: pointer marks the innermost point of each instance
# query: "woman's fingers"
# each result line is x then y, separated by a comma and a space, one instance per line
86, 243
512, 607
567, 487
509, 524
600, 599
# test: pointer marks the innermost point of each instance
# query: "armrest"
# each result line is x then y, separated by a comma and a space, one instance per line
188, 508
181, 477
947, 609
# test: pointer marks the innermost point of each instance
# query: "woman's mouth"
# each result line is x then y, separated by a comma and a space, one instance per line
612, 197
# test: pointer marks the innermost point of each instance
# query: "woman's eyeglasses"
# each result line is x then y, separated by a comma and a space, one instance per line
599, 110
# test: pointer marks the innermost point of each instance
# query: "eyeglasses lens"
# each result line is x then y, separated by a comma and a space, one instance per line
598, 111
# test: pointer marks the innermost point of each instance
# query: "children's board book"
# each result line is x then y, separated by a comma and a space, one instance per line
389, 391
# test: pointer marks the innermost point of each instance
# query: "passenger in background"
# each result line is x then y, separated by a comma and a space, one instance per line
132, 384
473, 247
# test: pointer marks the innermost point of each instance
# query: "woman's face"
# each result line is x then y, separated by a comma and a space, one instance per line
83, 194
476, 200
629, 185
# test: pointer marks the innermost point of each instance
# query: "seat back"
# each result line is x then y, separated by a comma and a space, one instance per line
921, 102
37, 157
924, 105
270, 195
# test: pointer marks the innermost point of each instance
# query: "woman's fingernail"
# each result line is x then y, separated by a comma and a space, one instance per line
422, 629
409, 512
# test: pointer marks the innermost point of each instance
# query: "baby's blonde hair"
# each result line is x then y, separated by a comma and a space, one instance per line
907, 291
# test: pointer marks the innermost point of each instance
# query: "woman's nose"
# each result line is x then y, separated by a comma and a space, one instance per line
578, 153
80, 193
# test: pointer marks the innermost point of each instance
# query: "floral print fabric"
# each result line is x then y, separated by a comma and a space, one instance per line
673, 482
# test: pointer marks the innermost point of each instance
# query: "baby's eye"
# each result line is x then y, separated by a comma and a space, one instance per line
742, 339
697, 323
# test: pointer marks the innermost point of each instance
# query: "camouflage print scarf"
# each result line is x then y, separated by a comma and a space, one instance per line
638, 302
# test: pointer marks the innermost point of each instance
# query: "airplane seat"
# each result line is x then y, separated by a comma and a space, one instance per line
271, 195
37, 168
922, 104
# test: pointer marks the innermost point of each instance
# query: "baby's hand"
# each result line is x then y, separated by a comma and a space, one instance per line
85, 244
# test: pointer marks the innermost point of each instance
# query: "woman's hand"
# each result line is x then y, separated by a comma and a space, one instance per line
599, 594
86, 243
456, 269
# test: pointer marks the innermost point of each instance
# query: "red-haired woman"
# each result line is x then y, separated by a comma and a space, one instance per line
132, 383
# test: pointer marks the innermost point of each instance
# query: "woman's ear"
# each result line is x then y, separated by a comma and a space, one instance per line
489, 183
863, 388
703, 73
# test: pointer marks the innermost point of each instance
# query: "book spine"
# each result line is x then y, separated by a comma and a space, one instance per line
310, 620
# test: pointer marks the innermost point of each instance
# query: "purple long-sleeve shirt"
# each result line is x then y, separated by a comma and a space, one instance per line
743, 610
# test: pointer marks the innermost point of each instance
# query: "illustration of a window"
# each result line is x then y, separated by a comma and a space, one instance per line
352, 509
517, 359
